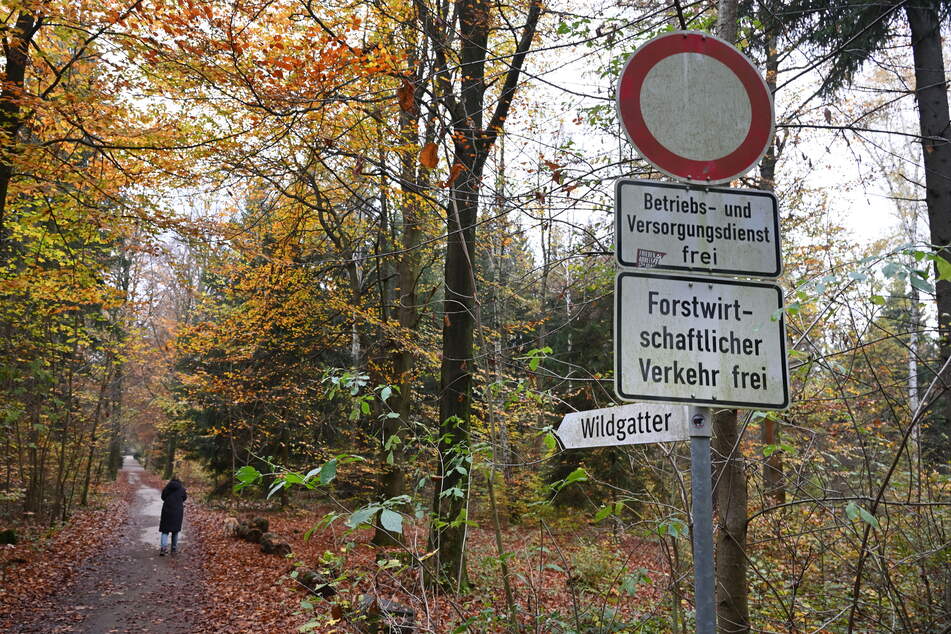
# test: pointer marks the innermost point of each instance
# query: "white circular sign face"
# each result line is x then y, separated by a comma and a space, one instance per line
695, 106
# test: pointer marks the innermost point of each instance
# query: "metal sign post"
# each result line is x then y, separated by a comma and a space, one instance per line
701, 422
699, 111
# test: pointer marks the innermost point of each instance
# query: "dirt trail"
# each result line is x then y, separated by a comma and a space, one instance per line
127, 587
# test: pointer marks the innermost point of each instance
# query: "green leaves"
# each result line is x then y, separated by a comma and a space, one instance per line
944, 268
769, 450
391, 521
608, 511
672, 527
246, 476
578, 475
535, 357
318, 476
328, 472
630, 582
362, 516
854, 511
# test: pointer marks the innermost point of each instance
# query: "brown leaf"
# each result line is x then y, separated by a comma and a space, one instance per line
405, 95
428, 156
828, 115
454, 172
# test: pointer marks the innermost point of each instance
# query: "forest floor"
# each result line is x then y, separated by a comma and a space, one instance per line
119, 583
102, 573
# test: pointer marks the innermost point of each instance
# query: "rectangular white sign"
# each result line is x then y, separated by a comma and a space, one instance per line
699, 340
634, 424
710, 230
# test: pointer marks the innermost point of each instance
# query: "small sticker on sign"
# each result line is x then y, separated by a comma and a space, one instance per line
647, 258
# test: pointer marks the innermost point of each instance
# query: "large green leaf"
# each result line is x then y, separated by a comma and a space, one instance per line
247, 474
391, 521
328, 472
362, 516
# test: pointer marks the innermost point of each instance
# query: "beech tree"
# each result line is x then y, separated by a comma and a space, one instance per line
461, 86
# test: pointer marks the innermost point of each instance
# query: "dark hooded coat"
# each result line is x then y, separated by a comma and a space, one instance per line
173, 507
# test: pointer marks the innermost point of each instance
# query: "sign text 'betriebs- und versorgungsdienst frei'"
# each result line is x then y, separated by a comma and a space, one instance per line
711, 230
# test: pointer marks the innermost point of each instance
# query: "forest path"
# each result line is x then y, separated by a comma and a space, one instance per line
128, 587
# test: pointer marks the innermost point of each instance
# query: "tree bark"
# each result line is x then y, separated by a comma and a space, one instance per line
451, 496
773, 477
931, 91
729, 491
413, 181
733, 614
471, 145
16, 50
171, 448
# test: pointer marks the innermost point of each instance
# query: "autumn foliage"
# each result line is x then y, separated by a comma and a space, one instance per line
348, 264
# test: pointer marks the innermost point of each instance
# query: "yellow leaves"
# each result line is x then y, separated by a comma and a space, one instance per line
427, 157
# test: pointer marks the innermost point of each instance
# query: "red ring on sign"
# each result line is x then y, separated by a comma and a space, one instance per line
717, 170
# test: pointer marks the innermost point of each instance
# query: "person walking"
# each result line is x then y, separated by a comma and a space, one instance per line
173, 510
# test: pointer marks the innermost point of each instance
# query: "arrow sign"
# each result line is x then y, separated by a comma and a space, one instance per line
631, 424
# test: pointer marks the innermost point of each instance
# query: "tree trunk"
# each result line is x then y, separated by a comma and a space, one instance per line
773, 477
471, 145
170, 456
124, 282
16, 50
115, 434
97, 415
393, 475
451, 496
729, 472
931, 92
730, 493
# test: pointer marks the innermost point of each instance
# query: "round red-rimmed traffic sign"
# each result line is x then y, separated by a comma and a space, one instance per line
695, 107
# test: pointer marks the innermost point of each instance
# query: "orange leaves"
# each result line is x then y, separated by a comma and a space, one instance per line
405, 94
427, 156
555, 170
454, 172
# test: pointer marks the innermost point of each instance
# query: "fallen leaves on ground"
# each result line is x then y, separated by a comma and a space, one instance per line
45, 560
246, 586
241, 589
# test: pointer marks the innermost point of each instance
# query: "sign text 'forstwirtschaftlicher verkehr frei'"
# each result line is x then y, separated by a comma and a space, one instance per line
704, 341
712, 230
